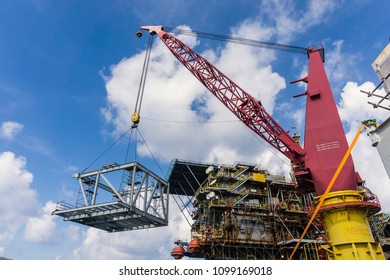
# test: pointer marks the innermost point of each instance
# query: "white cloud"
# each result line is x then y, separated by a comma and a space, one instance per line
339, 65
353, 106
21, 214
370, 167
41, 228
250, 67
9, 130
155, 243
18, 199
353, 109
6, 238
290, 19
171, 92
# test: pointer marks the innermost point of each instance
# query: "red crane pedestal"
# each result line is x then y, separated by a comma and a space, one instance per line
344, 211
324, 140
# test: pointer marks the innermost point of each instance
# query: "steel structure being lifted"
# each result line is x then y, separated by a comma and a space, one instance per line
140, 202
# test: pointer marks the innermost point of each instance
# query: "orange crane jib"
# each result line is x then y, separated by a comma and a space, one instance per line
324, 141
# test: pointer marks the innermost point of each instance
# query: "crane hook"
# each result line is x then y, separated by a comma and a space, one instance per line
139, 34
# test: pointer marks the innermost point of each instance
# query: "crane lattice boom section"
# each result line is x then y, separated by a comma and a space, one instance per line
240, 103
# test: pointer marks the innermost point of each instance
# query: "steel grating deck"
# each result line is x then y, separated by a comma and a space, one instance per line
111, 217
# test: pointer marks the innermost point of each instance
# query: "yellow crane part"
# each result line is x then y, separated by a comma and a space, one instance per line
345, 221
135, 118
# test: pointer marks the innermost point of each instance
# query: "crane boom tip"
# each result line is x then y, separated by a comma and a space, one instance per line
152, 29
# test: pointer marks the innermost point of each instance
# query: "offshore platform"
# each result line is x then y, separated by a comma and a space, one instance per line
241, 210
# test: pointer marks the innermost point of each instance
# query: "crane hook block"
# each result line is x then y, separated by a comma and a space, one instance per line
139, 34
135, 118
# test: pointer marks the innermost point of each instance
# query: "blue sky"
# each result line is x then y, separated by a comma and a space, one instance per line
69, 75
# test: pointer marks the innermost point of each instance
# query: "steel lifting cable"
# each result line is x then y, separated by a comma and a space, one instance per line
162, 172
106, 150
238, 40
135, 118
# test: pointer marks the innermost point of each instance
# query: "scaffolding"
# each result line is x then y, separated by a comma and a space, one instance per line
380, 133
381, 66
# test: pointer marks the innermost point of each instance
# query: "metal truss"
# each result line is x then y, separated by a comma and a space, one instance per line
140, 201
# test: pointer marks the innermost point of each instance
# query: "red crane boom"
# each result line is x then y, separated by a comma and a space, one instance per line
325, 141
239, 102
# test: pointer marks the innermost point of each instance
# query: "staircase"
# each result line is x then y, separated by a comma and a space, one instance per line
234, 187
239, 198
241, 170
